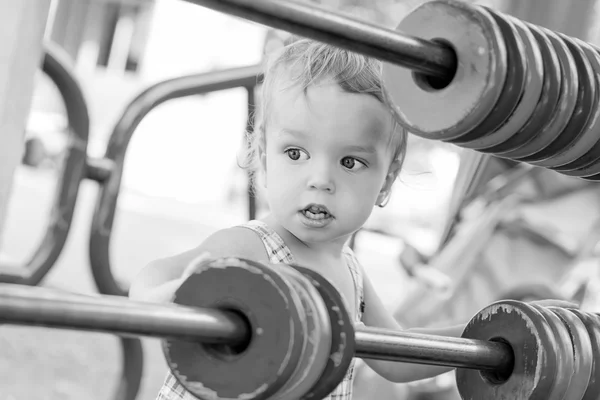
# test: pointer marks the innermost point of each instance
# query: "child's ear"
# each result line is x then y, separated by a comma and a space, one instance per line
392, 174
390, 178
263, 160
262, 156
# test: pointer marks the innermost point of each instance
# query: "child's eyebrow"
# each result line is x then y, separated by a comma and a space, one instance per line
361, 149
368, 149
292, 132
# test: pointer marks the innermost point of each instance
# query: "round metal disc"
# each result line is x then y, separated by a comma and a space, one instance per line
582, 351
590, 171
564, 353
578, 153
593, 329
533, 343
527, 101
343, 345
569, 89
586, 100
479, 78
546, 104
265, 299
594, 178
306, 310
315, 354
592, 168
512, 91
594, 394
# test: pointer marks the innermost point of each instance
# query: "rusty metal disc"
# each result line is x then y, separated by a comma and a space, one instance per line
587, 149
261, 366
545, 107
528, 97
564, 353
593, 328
578, 152
513, 85
546, 104
318, 343
560, 116
550, 156
569, 142
593, 178
534, 346
582, 351
434, 111
301, 297
343, 345
589, 172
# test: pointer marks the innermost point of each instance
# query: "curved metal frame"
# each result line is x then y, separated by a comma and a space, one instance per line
106, 201
76, 167
132, 369
57, 67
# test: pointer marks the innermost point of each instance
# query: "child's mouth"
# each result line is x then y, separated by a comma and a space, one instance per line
316, 212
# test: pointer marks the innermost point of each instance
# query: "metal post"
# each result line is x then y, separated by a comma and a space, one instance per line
22, 26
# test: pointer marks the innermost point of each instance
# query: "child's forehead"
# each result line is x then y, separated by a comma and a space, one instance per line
326, 106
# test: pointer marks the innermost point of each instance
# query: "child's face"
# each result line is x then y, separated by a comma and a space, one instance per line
330, 149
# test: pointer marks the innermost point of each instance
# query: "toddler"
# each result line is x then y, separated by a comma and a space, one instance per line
327, 150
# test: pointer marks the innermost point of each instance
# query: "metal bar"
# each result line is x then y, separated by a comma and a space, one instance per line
432, 349
113, 314
385, 44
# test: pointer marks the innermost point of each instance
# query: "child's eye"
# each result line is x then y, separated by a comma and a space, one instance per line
352, 163
295, 154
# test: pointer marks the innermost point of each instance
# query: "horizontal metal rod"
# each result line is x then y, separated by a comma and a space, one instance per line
417, 54
113, 314
433, 350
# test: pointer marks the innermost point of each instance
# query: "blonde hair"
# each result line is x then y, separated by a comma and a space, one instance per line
316, 61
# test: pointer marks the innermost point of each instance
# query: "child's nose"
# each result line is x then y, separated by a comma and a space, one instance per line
321, 179
322, 184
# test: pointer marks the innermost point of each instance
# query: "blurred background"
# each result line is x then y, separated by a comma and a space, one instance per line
461, 230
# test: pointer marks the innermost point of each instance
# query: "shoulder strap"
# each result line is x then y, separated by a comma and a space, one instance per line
276, 248
357, 275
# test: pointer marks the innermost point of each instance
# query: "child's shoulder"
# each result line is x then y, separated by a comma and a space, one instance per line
235, 241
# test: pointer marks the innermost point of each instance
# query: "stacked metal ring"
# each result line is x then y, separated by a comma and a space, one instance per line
520, 91
302, 338
556, 353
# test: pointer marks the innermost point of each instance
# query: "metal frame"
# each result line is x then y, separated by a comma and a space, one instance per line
76, 167
134, 113
107, 171
57, 67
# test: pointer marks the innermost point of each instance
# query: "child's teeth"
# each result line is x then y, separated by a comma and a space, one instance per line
312, 215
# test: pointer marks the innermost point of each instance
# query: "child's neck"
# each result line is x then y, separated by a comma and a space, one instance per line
329, 250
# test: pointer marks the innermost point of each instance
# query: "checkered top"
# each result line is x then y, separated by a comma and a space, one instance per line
279, 252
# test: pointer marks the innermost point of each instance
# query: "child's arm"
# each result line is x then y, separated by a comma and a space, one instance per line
158, 281
377, 316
